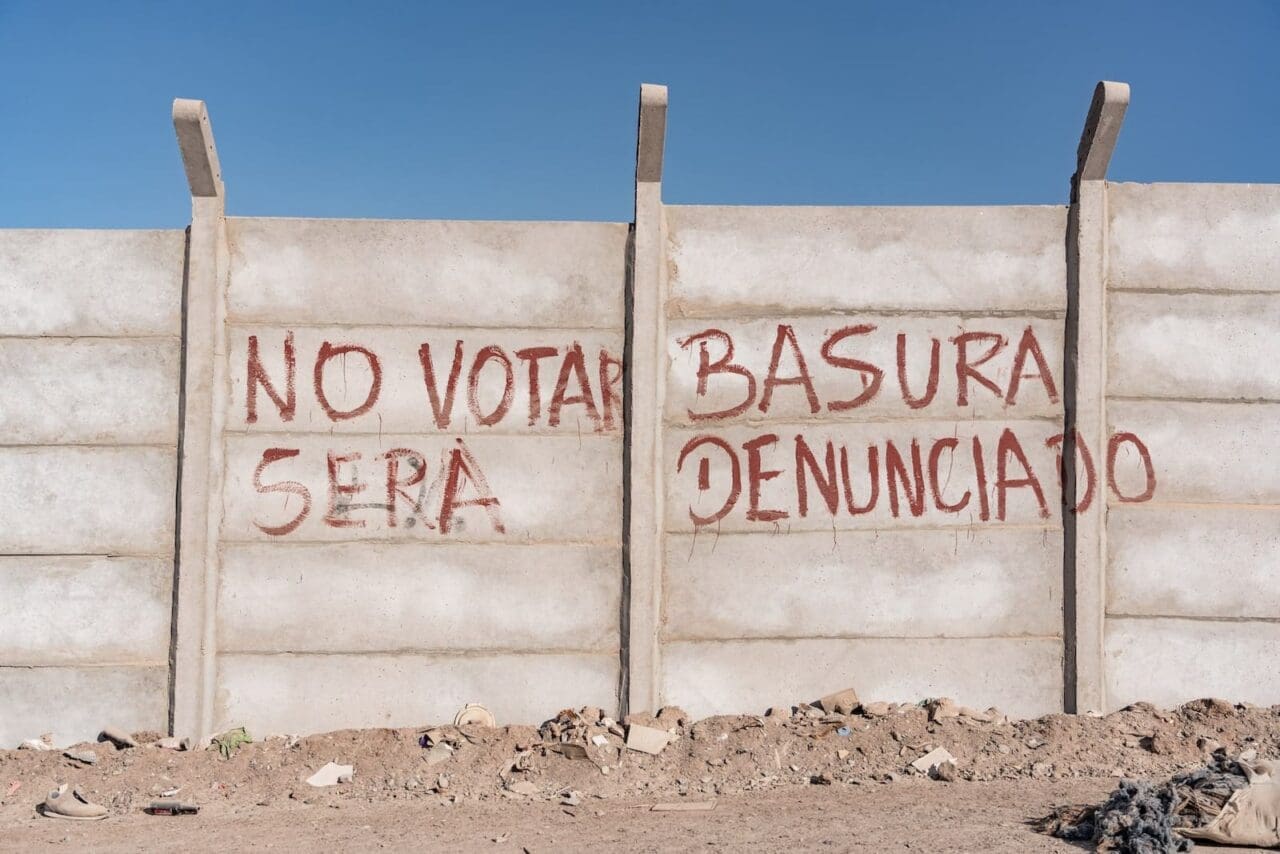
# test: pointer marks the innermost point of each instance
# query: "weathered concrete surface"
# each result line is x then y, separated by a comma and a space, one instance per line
365, 597
549, 488
888, 583
85, 610
1168, 661
1201, 452
539, 274
89, 390
829, 344
75, 703
1194, 236
494, 389
67, 500
316, 693
1022, 676
1200, 561
1206, 346
775, 261
79, 282
954, 476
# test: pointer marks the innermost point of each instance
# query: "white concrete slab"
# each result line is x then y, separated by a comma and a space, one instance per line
68, 500
401, 272
89, 390
317, 693
75, 703
1204, 346
548, 488
853, 372
1193, 561
1168, 662
357, 597
955, 476
1200, 452
1023, 676
81, 282
85, 610
494, 388
1194, 236
865, 583
772, 261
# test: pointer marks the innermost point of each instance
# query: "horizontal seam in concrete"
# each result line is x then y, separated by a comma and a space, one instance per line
781, 314
604, 652
836, 421
852, 637
1153, 398
975, 526
507, 328
159, 446
123, 555
1189, 505
174, 339
1203, 291
78, 665
1194, 618
436, 538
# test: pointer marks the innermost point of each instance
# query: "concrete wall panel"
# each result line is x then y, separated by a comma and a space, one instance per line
754, 342
379, 597
886, 583
403, 273
316, 693
1022, 676
549, 488
774, 261
89, 500
1200, 452
1194, 236
528, 399
956, 476
79, 282
1167, 662
85, 610
75, 703
89, 390
1194, 561
1194, 346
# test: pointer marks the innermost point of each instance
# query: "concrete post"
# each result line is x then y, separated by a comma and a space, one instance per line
202, 410
1085, 558
646, 361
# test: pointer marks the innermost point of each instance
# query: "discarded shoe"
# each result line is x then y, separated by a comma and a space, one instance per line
65, 802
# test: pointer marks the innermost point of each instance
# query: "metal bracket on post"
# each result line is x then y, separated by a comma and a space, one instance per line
1085, 375
644, 392
202, 408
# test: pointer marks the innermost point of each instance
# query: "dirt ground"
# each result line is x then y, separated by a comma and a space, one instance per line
799, 781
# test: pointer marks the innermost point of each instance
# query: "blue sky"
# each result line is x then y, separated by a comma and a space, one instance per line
526, 110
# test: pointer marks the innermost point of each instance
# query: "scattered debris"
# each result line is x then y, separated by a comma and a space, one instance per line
474, 714
171, 808
331, 775
44, 742
684, 806
228, 741
928, 764
647, 739
117, 736
170, 743
570, 798
88, 757
876, 710
64, 802
945, 771
840, 703
600, 740
193, 743
169, 793
572, 751
523, 787
439, 753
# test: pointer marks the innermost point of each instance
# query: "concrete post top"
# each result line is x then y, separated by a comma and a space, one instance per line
652, 133
1101, 128
199, 154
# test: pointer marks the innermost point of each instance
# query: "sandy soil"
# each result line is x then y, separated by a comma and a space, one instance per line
799, 781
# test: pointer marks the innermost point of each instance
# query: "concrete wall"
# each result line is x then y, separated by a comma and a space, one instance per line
90, 358
785, 331
1193, 282
397, 604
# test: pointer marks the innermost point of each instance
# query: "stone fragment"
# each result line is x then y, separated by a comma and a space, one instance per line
931, 760
88, 757
117, 736
945, 771
877, 709
331, 775
840, 703
646, 739
523, 787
